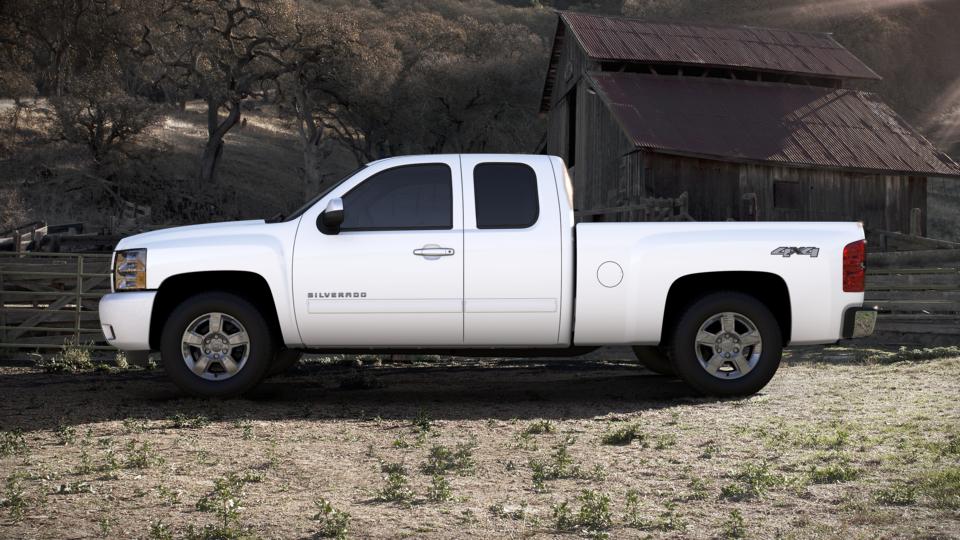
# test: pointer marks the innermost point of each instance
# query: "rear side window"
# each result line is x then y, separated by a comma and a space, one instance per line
505, 195
405, 198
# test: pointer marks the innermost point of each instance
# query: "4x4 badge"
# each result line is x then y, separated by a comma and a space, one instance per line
788, 251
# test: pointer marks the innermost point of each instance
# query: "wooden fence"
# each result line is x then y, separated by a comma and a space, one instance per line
47, 299
918, 295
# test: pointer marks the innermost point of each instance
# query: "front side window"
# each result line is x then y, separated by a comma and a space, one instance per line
506, 196
412, 197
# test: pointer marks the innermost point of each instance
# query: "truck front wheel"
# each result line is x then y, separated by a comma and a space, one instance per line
727, 344
216, 345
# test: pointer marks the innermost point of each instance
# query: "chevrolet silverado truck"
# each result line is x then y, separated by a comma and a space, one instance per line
480, 255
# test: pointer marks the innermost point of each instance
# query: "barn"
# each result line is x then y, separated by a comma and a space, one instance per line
738, 123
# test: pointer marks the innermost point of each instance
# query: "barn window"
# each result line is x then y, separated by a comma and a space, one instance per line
786, 195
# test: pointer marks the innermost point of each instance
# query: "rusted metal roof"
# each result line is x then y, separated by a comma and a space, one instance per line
785, 124
742, 47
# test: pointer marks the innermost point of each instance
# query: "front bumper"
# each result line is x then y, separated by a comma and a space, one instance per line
125, 319
859, 323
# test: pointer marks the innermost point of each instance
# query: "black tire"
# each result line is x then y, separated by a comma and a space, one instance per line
261, 346
684, 348
655, 359
283, 361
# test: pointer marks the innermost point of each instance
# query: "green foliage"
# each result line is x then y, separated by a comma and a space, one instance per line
71, 358
14, 498
593, 518
539, 427
753, 481
624, 435
560, 465
226, 502
899, 494
442, 459
396, 484
182, 421
66, 434
943, 487
439, 490
160, 531
12, 443
332, 523
141, 456
734, 527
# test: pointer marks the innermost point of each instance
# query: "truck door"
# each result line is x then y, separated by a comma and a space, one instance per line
393, 275
512, 271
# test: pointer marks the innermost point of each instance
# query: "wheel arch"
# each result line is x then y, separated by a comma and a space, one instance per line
177, 288
768, 288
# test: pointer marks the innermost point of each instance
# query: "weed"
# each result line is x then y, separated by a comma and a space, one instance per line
226, 501
169, 496
668, 520
160, 531
12, 443
134, 425
396, 486
710, 450
734, 526
182, 421
141, 456
698, 490
421, 422
14, 499
539, 428
333, 523
439, 490
71, 358
753, 482
66, 434
624, 435
897, 495
560, 465
593, 517
839, 470
665, 441
943, 487
443, 459
400, 442
120, 361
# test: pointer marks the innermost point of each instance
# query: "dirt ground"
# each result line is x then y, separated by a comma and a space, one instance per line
834, 447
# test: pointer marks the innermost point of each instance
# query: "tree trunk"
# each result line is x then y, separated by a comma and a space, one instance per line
216, 131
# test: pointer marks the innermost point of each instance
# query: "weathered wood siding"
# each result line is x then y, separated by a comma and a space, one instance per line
572, 66
721, 190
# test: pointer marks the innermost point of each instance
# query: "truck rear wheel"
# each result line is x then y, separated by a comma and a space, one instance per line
727, 344
216, 345
655, 359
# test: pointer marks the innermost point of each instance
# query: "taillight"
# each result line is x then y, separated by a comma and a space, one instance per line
854, 266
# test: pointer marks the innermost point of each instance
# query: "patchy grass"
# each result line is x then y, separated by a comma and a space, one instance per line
485, 448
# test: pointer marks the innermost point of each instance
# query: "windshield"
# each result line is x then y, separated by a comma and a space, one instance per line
299, 211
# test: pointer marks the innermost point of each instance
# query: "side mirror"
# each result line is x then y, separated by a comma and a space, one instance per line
332, 217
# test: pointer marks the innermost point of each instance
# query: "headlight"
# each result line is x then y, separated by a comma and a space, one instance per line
130, 270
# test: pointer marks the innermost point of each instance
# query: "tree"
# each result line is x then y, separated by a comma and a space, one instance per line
100, 115
221, 51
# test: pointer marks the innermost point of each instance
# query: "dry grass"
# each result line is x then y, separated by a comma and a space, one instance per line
829, 449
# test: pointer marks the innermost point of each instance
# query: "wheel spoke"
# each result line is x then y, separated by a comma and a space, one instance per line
201, 365
706, 338
193, 338
240, 338
715, 363
742, 365
229, 365
750, 338
728, 323
215, 322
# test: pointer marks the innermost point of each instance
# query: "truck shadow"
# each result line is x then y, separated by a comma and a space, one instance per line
477, 389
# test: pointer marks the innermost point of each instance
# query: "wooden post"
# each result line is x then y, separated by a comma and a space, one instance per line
76, 328
16, 240
3, 310
916, 222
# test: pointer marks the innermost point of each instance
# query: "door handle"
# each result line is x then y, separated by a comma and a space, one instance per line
432, 252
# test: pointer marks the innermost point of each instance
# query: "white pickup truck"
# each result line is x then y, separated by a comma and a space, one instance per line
479, 255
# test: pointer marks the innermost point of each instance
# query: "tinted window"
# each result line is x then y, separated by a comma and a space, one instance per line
506, 196
403, 198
